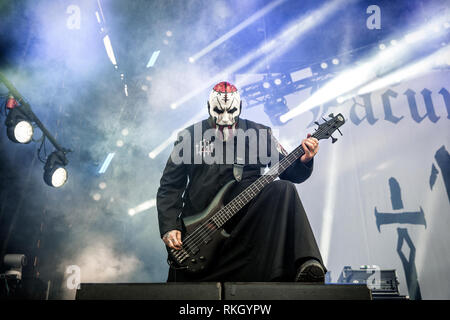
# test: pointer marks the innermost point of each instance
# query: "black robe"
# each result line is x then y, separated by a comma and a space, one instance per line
270, 237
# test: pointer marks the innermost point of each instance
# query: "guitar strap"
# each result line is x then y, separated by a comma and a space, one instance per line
238, 170
238, 166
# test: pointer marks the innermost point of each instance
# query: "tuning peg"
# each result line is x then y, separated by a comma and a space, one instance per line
339, 131
333, 139
331, 115
317, 123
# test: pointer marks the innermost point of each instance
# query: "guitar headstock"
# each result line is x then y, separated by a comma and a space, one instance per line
326, 129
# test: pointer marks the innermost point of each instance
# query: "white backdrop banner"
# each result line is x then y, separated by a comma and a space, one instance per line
381, 194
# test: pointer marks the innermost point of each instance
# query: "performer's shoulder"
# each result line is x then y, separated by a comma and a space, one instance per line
255, 125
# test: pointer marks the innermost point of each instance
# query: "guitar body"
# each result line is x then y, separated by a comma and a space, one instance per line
198, 256
204, 231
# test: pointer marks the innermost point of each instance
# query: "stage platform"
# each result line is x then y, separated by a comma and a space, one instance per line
222, 291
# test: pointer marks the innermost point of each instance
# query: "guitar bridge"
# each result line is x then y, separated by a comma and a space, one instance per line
179, 255
194, 250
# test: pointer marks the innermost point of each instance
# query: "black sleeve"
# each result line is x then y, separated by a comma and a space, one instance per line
169, 199
298, 171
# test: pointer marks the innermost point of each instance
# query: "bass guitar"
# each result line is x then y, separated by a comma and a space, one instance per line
204, 231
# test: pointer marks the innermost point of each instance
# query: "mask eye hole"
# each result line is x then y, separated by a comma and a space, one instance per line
218, 110
232, 110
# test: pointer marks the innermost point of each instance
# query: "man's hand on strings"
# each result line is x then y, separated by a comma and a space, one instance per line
311, 147
172, 239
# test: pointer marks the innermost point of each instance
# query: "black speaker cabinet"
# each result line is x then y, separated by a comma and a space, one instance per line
150, 291
294, 291
224, 291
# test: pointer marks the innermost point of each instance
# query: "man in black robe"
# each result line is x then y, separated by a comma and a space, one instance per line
270, 239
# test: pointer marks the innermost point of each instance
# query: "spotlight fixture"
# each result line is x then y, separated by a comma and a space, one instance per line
55, 175
18, 126
266, 85
324, 65
19, 122
277, 81
335, 61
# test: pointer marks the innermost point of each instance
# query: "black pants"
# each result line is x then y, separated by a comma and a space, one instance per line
269, 239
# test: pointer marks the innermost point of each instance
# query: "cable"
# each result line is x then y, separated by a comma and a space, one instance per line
39, 149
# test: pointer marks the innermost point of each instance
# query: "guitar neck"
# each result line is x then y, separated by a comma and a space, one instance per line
228, 211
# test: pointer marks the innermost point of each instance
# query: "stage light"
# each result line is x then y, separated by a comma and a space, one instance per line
324, 65
18, 128
55, 175
169, 33
277, 81
266, 85
366, 71
271, 49
106, 163
119, 143
109, 50
436, 59
416, 36
142, 207
98, 17
13, 263
22, 132
335, 61
153, 58
382, 46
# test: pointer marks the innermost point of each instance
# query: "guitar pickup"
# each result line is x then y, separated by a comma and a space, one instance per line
207, 239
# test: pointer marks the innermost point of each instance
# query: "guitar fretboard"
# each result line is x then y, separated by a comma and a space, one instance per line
228, 211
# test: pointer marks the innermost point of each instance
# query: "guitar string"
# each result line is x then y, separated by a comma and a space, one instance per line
283, 164
201, 232
253, 188
199, 235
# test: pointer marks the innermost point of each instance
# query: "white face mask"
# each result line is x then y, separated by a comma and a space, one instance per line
224, 104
